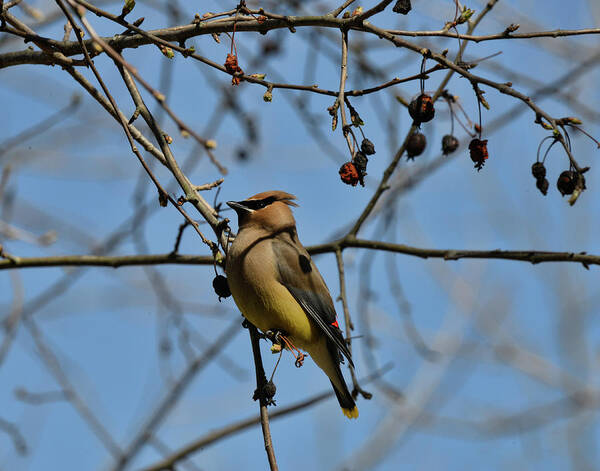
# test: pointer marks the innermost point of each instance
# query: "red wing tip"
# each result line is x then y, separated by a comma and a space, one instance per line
351, 413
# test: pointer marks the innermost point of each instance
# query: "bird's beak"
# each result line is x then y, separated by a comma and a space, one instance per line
237, 206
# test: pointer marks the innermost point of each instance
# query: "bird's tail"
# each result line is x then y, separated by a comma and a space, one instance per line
346, 401
326, 355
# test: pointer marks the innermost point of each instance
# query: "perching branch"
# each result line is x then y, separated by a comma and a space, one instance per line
264, 398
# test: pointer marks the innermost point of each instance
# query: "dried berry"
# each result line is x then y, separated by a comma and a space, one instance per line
221, 287
538, 170
231, 65
269, 389
402, 6
360, 162
449, 144
266, 393
415, 145
542, 185
421, 109
567, 182
479, 152
367, 147
349, 174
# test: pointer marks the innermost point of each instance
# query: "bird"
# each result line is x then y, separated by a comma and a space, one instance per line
278, 288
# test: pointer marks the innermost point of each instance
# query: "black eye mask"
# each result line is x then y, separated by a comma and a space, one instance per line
258, 204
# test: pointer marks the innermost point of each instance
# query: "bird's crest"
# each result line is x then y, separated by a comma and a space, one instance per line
275, 195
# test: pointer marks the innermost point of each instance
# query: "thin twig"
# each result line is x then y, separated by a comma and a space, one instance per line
261, 382
348, 323
55, 368
341, 8
162, 409
41, 127
11, 322
15, 435
161, 99
384, 182
236, 427
346, 130
171, 162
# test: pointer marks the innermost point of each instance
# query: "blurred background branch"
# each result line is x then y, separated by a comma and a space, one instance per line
494, 364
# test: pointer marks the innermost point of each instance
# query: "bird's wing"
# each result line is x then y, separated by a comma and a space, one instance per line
302, 279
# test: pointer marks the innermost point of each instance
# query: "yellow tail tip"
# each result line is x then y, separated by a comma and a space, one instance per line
351, 413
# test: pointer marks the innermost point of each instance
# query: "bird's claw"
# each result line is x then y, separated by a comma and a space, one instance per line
300, 359
280, 340
275, 336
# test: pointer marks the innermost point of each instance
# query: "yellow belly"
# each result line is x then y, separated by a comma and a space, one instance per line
276, 309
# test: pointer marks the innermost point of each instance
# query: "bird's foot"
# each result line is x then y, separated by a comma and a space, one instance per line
298, 355
275, 336
281, 340
299, 358
358, 390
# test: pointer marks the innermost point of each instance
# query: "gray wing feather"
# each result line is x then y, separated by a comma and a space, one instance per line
302, 279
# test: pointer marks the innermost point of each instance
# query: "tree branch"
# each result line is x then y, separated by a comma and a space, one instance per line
236, 427
117, 261
261, 383
531, 256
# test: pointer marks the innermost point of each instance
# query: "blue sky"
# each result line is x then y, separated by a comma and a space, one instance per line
81, 180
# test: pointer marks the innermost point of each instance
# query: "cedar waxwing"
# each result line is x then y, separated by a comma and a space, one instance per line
278, 288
